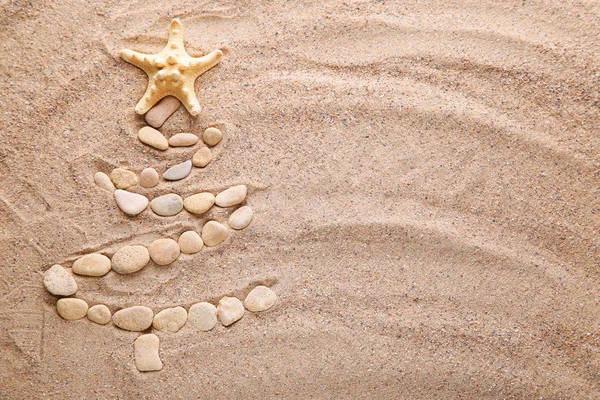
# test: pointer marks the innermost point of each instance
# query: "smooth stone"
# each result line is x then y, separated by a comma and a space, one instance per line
183, 140
123, 178
92, 265
213, 233
104, 182
241, 218
232, 196
212, 136
145, 353
149, 178
154, 138
136, 319
167, 205
178, 171
130, 259
158, 114
199, 203
190, 242
71, 308
229, 310
203, 316
130, 203
99, 314
164, 251
59, 282
170, 319
202, 157
260, 298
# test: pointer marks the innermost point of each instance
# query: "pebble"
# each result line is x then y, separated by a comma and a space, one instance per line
158, 114
92, 265
149, 178
241, 218
71, 308
136, 319
170, 319
99, 314
164, 251
59, 282
154, 138
123, 178
130, 259
260, 298
229, 310
212, 136
232, 196
190, 242
145, 353
199, 203
183, 140
178, 171
213, 233
203, 316
130, 203
167, 205
104, 182
202, 157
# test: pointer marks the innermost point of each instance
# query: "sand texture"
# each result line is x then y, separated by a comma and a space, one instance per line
424, 177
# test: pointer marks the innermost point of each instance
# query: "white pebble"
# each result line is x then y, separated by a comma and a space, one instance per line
229, 310
202, 157
170, 319
190, 242
59, 282
136, 319
232, 196
130, 203
212, 136
213, 233
104, 182
183, 140
91, 265
130, 259
241, 218
203, 316
71, 308
178, 171
123, 178
154, 138
145, 353
99, 314
162, 111
167, 205
164, 251
261, 298
149, 178
199, 203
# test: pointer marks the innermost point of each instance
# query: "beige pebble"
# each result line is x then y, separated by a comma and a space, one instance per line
232, 196
104, 182
123, 178
183, 140
203, 316
145, 353
202, 157
92, 265
137, 318
154, 138
190, 242
178, 171
71, 308
213, 233
167, 205
261, 298
130, 259
229, 310
212, 136
158, 114
130, 203
164, 251
241, 218
170, 319
199, 203
59, 282
149, 178
99, 314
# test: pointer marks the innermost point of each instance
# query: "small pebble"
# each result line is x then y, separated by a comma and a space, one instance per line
130, 259
154, 138
199, 203
183, 140
123, 178
71, 308
145, 353
164, 251
213, 233
212, 136
202, 157
241, 218
149, 178
92, 265
161, 111
229, 310
232, 196
261, 298
136, 319
59, 282
190, 242
99, 314
178, 171
167, 205
104, 182
130, 203
170, 319
203, 316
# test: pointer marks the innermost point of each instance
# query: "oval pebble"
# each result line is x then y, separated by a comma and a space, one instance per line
241, 218
229, 310
232, 196
123, 178
167, 205
190, 242
149, 178
99, 314
154, 138
136, 319
203, 316
260, 298
92, 265
145, 353
104, 182
183, 140
212, 136
178, 171
130, 203
59, 282
130, 259
202, 157
170, 319
164, 251
71, 308
161, 111
213, 233
199, 203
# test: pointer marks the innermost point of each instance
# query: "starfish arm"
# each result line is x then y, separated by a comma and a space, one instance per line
188, 98
204, 63
135, 58
176, 33
148, 100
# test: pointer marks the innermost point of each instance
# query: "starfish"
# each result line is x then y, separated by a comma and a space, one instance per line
172, 72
